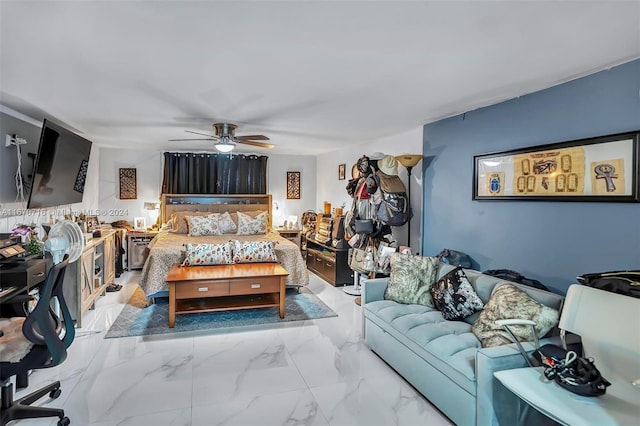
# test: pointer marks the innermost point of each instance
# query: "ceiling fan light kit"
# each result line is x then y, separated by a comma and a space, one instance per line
226, 139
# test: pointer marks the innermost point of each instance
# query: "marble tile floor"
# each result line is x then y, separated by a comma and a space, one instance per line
316, 372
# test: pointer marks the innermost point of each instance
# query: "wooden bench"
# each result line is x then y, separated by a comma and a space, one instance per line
225, 287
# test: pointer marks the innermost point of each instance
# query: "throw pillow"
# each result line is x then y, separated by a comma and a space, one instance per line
203, 225
248, 225
254, 251
509, 302
179, 220
209, 254
227, 225
410, 279
455, 297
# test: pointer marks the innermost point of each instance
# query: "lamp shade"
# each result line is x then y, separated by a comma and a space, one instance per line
409, 160
224, 147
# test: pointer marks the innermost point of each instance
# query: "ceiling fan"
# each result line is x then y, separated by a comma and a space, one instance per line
226, 139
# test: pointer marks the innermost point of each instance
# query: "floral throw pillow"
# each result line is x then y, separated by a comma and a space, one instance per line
454, 296
254, 251
227, 225
209, 254
248, 225
410, 279
509, 302
203, 225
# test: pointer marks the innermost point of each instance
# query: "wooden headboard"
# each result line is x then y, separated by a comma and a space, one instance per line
215, 203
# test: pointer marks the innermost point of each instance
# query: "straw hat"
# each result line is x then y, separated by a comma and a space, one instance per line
388, 165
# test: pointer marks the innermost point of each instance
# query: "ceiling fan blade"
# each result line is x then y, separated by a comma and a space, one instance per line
260, 144
202, 134
176, 140
252, 137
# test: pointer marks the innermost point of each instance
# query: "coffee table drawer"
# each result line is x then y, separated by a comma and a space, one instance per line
254, 286
194, 290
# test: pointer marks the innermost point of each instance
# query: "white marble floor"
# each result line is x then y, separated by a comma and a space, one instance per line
316, 372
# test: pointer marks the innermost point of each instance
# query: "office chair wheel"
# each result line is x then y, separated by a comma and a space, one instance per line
64, 421
55, 393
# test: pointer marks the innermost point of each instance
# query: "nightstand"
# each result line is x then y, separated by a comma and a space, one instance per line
137, 243
292, 235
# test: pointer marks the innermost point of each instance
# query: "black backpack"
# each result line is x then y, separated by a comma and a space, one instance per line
516, 277
394, 210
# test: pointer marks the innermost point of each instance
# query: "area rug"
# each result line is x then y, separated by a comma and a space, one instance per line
138, 320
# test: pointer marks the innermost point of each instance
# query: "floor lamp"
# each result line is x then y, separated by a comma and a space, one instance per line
409, 161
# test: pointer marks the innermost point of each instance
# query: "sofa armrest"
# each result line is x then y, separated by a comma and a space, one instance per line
494, 403
373, 290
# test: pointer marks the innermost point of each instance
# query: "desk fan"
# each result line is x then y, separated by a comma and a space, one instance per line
65, 237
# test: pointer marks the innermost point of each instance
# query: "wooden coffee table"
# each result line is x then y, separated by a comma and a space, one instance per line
225, 287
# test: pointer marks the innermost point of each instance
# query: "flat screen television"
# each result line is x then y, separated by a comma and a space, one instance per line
60, 169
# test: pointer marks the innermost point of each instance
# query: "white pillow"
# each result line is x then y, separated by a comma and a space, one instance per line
203, 225
252, 226
227, 225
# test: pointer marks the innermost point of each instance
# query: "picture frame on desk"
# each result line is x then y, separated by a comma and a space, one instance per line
140, 223
92, 223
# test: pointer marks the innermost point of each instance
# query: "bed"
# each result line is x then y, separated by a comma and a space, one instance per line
168, 248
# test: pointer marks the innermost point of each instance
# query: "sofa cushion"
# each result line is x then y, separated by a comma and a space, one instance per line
447, 345
509, 302
410, 279
454, 296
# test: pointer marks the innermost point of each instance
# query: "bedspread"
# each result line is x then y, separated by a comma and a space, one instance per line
168, 248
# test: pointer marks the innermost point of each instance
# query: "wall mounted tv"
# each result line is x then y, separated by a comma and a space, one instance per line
61, 168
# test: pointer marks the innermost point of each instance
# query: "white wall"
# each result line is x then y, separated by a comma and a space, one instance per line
333, 190
148, 165
278, 166
149, 182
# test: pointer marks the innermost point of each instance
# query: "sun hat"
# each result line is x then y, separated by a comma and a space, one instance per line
388, 165
376, 156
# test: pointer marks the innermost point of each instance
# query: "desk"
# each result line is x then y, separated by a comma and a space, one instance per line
619, 406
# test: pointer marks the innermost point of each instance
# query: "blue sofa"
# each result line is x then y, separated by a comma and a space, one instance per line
443, 359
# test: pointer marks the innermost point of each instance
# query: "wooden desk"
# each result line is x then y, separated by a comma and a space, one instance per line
225, 287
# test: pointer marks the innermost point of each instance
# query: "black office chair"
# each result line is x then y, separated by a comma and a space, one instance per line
51, 336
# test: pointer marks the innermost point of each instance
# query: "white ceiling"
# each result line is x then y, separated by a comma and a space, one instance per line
313, 76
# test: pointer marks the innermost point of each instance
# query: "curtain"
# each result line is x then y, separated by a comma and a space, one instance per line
190, 173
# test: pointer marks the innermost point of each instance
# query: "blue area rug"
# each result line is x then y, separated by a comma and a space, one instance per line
138, 320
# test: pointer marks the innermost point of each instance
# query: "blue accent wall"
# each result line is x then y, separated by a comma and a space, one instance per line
549, 241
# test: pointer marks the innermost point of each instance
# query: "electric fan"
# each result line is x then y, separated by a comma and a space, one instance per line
65, 237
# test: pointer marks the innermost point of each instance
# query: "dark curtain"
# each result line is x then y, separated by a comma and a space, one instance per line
189, 173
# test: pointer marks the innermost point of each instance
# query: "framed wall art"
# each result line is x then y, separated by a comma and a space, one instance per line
604, 168
341, 171
128, 184
293, 185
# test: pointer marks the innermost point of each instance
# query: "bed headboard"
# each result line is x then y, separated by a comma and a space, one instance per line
214, 203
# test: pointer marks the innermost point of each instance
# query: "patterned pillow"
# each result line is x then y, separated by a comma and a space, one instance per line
203, 225
254, 251
252, 226
410, 279
179, 220
454, 296
509, 302
227, 225
209, 254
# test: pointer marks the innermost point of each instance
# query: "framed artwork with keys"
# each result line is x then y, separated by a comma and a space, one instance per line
603, 168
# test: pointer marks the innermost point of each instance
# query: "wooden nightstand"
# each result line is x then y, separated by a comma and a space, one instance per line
292, 235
